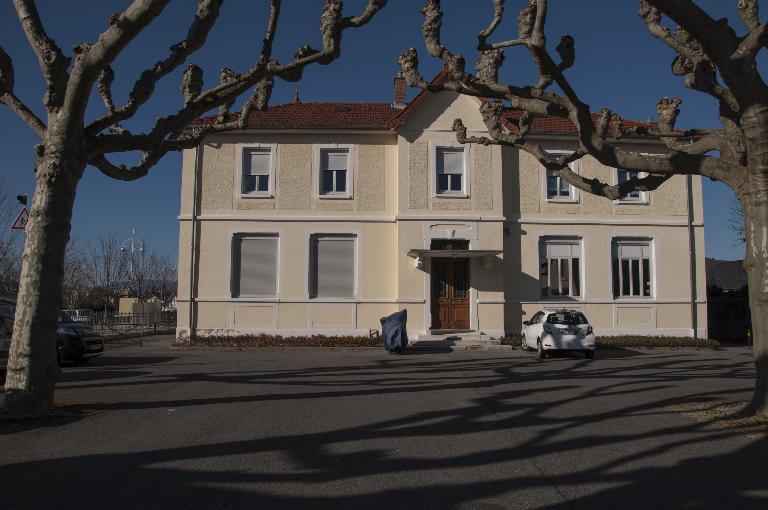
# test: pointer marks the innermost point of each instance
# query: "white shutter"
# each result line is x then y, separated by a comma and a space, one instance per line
334, 267
257, 258
634, 251
563, 250
334, 160
257, 161
450, 161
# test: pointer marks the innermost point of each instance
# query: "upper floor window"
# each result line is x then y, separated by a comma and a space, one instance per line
254, 265
560, 267
557, 189
623, 176
257, 170
332, 272
334, 171
632, 268
449, 162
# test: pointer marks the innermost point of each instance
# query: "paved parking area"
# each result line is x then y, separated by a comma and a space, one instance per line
325, 428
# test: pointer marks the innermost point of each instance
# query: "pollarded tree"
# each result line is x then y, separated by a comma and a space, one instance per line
69, 144
712, 58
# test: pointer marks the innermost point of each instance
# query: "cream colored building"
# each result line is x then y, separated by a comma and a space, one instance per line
322, 218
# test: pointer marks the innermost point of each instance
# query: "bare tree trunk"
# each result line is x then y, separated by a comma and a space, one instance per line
754, 203
32, 367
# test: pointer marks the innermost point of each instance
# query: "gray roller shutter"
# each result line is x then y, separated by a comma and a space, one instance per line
255, 266
333, 271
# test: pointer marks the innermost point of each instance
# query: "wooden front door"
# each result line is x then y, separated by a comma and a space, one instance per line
450, 294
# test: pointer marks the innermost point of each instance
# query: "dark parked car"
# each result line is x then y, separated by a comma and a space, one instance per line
77, 342
74, 341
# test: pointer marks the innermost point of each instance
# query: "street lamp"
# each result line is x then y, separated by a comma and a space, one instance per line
133, 244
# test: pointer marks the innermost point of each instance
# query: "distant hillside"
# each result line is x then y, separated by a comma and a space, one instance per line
726, 274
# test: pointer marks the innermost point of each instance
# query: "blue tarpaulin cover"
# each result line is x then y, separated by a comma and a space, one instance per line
394, 331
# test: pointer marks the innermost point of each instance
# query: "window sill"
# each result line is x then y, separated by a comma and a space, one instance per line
562, 201
560, 298
630, 300
631, 202
332, 299
451, 195
332, 196
260, 194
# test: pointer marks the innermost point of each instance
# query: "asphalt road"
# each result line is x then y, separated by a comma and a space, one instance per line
323, 428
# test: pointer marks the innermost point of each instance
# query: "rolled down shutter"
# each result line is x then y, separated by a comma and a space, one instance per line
257, 161
563, 250
334, 159
256, 261
634, 251
450, 161
334, 271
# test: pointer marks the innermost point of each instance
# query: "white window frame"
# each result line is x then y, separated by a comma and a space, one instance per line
351, 158
635, 241
466, 177
643, 195
355, 235
573, 241
242, 149
575, 194
234, 270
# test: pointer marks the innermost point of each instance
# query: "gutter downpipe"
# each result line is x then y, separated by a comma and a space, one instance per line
692, 260
193, 243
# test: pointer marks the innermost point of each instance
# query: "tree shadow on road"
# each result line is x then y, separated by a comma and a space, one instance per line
521, 433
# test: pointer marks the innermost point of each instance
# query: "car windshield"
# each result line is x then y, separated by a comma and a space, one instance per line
569, 318
64, 317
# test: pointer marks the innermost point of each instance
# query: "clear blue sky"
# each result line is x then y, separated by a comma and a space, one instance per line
618, 64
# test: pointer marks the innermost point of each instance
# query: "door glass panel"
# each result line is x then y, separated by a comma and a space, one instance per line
460, 280
635, 277
439, 281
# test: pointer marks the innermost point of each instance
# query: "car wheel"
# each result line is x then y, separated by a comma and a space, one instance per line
540, 348
524, 344
589, 354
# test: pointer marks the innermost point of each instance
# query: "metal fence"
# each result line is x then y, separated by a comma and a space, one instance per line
128, 323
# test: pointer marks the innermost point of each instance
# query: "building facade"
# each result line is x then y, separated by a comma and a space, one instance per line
321, 218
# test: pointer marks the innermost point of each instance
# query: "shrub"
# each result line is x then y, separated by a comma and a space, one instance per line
264, 340
656, 341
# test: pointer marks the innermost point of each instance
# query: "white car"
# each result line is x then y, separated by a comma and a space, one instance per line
551, 330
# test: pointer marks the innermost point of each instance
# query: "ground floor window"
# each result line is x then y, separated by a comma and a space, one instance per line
560, 267
254, 265
332, 266
632, 268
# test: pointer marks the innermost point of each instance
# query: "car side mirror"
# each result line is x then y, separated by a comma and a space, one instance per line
526, 323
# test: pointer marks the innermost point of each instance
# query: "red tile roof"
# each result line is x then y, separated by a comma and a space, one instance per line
379, 116
318, 116
561, 125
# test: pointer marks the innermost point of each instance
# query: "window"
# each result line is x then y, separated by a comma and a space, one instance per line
257, 169
449, 244
632, 268
634, 196
449, 165
332, 266
560, 268
557, 187
335, 172
254, 265
450, 169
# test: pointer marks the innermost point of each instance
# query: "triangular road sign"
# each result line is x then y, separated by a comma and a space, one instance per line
21, 220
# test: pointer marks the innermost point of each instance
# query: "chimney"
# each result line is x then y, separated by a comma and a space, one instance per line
399, 91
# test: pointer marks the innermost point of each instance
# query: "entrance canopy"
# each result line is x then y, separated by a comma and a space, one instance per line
486, 255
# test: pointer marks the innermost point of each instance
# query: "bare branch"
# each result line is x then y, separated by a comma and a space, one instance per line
11, 101
123, 173
498, 15
52, 61
205, 17
269, 37
104, 86
749, 12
